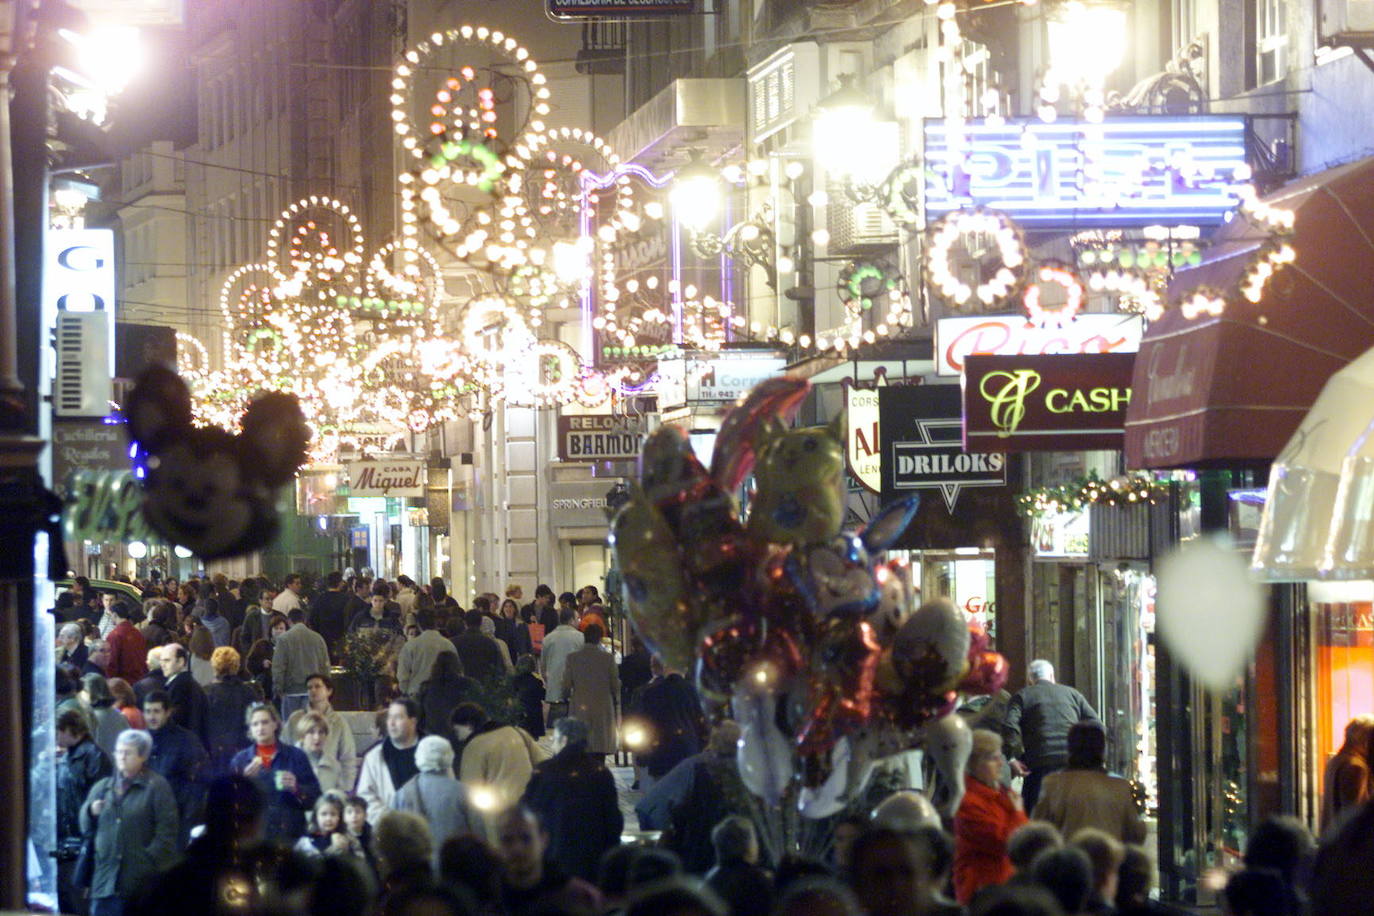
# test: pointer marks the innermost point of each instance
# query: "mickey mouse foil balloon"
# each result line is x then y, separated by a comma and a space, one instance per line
204, 488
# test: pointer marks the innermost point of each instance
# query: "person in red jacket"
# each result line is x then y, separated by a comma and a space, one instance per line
128, 649
989, 814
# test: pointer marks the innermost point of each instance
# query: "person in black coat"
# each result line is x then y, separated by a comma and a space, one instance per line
187, 698
736, 877
80, 764
329, 611
479, 654
178, 757
670, 709
575, 798
227, 700
636, 672
529, 691
446, 688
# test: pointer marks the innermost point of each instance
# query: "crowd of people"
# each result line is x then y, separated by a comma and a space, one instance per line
204, 768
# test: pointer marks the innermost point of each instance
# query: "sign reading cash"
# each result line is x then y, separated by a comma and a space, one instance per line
1046, 403
386, 478
600, 437
922, 444
1126, 171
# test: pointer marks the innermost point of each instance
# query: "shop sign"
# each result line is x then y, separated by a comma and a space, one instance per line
1011, 335
618, 9
1058, 403
862, 449
1129, 171
87, 445
922, 433
79, 276
1060, 534
105, 506
719, 379
386, 478
579, 504
601, 437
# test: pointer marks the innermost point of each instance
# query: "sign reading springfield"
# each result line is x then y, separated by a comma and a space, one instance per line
1060, 403
922, 449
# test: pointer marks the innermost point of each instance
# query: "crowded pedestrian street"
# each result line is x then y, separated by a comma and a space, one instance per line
687, 458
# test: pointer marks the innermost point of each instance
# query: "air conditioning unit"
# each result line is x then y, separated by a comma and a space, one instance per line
1346, 22
857, 228
82, 387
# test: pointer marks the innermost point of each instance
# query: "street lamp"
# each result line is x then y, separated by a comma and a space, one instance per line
843, 135
1087, 43
696, 194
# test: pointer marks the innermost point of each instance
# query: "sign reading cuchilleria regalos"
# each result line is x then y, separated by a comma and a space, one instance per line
1046, 403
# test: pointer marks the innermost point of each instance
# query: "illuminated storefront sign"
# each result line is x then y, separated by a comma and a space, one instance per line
719, 379
1046, 403
1011, 335
921, 447
862, 454
601, 437
1122, 172
386, 478
79, 276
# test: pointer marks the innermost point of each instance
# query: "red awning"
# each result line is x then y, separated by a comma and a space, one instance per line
1232, 389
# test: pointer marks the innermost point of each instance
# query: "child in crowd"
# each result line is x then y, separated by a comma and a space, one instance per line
355, 822
327, 835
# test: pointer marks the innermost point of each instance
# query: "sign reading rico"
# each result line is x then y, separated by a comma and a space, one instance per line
1066, 402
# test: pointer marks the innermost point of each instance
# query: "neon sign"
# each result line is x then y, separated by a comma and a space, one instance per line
1012, 335
1122, 172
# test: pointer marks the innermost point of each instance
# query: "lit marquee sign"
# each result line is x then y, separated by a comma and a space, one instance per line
1124, 171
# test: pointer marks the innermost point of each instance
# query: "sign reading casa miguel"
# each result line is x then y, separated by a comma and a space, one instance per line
956, 339
1046, 403
386, 478
1122, 172
922, 433
600, 437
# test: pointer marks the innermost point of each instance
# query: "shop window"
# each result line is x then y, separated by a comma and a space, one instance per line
1343, 644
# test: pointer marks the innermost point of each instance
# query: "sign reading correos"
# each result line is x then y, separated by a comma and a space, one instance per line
1011, 335
721, 378
382, 477
1129, 171
1046, 403
600, 437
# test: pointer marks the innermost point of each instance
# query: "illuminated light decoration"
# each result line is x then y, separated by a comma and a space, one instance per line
1075, 175
1033, 298
193, 360
1130, 489
1005, 276
861, 282
900, 195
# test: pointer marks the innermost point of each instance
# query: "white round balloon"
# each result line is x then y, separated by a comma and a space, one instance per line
1209, 611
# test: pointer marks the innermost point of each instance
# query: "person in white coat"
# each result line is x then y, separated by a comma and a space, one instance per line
391, 763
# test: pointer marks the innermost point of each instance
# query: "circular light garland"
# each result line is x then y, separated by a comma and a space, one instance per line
1065, 279
954, 228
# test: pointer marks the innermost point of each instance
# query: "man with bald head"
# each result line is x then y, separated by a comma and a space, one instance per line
533, 883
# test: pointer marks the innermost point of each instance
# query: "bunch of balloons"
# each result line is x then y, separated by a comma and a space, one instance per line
793, 627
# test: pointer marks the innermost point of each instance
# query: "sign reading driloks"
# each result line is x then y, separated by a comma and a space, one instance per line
600, 437
922, 448
1066, 402
618, 9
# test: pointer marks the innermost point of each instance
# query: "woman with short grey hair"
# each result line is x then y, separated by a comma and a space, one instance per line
133, 814
108, 722
437, 796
